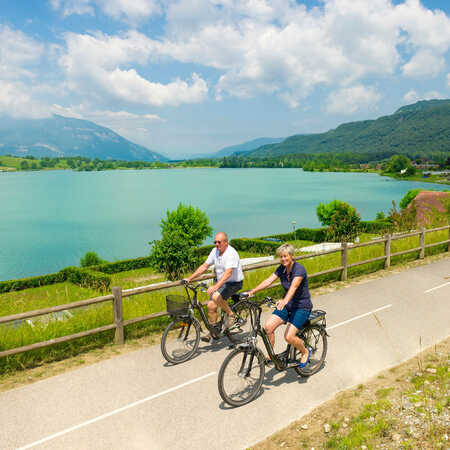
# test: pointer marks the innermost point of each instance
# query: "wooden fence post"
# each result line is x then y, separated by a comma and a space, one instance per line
344, 260
422, 243
387, 250
118, 315
448, 248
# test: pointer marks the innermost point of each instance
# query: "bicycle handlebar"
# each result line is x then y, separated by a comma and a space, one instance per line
194, 287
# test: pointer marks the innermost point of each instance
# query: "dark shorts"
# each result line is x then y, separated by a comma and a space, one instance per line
297, 317
230, 288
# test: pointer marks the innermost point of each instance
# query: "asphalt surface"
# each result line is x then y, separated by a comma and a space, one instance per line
138, 401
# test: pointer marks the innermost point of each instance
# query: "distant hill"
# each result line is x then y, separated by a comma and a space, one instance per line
65, 136
246, 146
423, 126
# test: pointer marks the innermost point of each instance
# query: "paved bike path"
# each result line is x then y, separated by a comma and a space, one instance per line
137, 401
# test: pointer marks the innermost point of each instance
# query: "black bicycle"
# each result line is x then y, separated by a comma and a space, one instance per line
181, 338
242, 372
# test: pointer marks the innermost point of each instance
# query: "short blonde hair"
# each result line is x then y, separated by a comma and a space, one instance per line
285, 248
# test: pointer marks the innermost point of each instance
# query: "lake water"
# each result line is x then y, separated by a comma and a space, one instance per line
49, 220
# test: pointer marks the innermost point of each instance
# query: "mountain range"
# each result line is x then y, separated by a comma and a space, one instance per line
421, 127
65, 136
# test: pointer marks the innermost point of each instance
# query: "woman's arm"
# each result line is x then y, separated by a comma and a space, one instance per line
263, 285
290, 293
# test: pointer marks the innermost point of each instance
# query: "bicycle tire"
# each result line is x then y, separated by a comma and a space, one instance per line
314, 337
241, 331
246, 371
180, 340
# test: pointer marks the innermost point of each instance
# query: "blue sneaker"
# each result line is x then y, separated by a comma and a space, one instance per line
301, 365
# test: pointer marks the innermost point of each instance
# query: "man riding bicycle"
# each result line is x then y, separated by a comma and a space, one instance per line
229, 278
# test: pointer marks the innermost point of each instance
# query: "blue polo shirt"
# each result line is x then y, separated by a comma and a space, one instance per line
301, 298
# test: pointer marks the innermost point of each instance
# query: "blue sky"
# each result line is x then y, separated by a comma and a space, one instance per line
193, 76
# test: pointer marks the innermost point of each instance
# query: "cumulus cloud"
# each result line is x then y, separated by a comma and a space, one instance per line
281, 47
352, 99
17, 53
99, 66
132, 11
412, 96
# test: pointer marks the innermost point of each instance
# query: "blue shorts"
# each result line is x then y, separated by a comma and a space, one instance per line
297, 317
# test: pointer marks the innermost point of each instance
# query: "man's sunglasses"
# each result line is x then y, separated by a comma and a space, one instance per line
217, 242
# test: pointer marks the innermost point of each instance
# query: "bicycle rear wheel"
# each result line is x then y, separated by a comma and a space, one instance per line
315, 338
180, 340
242, 329
241, 376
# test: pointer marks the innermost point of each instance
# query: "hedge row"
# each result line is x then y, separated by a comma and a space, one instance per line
123, 265
255, 245
375, 226
302, 234
86, 277
31, 282
83, 277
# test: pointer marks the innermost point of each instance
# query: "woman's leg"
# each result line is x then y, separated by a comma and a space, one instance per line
295, 323
272, 323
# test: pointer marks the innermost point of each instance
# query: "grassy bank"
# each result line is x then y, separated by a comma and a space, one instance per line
56, 325
405, 407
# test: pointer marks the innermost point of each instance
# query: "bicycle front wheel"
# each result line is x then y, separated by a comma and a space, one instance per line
180, 340
314, 337
241, 376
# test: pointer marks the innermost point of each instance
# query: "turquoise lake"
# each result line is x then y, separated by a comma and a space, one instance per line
49, 220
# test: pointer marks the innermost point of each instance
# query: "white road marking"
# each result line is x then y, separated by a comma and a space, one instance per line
359, 317
116, 411
437, 287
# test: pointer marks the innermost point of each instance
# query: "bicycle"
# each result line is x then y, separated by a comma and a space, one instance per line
181, 337
242, 372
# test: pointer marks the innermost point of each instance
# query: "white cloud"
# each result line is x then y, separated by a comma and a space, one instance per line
16, 100
281, 47
17, 52
131, 11
352, 99
423, 64
412, 96
99, 66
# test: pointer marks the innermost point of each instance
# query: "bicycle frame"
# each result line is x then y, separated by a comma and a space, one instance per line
279, 362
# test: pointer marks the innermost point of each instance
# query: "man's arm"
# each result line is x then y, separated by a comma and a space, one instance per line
223, 279
201, 269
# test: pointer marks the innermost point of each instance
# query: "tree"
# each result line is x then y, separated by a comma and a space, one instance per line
91, 259
325, 211
345, 224
191, 223
181, 233
397, 163
24, 165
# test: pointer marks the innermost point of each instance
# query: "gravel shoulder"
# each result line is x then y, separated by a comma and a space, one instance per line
407, 406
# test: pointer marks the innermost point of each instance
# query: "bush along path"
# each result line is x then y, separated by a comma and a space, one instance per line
407, 406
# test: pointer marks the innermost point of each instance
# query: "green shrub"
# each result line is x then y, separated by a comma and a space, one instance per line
409, 197
325, 211
255, 245
181, 233
302, 234
87, 278
31, 282
123, 265
375, 226
90, 259
344, 224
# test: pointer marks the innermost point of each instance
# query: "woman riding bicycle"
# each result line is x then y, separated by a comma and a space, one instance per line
296, 305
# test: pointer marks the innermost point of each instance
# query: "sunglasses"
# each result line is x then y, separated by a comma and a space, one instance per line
217, 242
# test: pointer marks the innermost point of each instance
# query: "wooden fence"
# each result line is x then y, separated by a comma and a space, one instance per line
118, 294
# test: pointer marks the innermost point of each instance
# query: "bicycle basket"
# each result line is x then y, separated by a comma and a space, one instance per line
317, 316
177, 305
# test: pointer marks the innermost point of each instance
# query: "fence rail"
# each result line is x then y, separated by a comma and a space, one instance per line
118, 294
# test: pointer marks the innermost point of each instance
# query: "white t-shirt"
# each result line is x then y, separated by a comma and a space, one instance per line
229, 259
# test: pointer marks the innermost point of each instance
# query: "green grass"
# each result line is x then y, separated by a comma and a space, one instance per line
49, 327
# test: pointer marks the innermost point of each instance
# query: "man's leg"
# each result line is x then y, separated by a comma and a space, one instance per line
219, 301
212, 312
